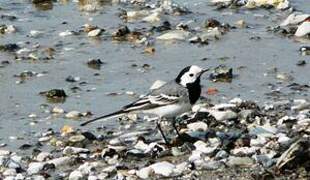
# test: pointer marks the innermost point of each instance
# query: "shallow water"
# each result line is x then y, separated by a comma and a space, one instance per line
250, 60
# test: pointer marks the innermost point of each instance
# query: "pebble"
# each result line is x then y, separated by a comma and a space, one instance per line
240, 161
77, 138
9, 172
152, 18
303, 29
65, 33
35, 33
43, 156
223, 115
144, 173
94, 33
61, 161
35, 167
197, 126
58, 110
73, 115
74, 150
163, 168
204, 148
76, 175
174, 35
244, 151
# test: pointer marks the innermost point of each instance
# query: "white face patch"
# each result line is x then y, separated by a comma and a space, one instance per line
191, 76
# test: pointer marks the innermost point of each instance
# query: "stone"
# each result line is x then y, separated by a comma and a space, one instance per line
94, 33
174, 35
163, 168
76, 175
43, 156
35, 167
239, 161
303, 29
204, 148
145, 172
74, 150
197, 126
73, 115
223, 115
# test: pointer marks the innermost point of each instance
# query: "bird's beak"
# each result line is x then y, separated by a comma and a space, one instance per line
204, 70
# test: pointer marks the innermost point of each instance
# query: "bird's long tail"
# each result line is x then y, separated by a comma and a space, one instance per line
104, 117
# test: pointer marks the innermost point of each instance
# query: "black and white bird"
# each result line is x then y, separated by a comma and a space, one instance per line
168, 101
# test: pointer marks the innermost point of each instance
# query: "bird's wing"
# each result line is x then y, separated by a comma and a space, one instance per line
168, 94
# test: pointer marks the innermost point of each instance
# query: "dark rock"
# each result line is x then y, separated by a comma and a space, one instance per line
54, 93
25, 146
120, 32
301, 63
212, 23
222, 73
90, 136
165, 26
8, 17
95, 63
305, 50
9, 47
48, 166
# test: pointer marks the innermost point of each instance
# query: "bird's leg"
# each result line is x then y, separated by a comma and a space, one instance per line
161, 131
175, 127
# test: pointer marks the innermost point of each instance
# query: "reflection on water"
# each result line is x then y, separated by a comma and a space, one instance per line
43, 5
92, 5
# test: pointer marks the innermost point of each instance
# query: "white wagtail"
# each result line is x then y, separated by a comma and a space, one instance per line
168, 101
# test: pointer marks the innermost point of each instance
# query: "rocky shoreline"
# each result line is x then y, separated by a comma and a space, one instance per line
270, 141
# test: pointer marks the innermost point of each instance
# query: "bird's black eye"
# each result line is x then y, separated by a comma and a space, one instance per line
191, 75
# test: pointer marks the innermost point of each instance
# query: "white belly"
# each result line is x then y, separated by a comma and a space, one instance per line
169, 111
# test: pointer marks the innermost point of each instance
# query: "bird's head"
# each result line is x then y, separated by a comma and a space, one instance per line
189, 75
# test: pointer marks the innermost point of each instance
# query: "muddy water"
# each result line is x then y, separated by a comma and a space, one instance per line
252, 61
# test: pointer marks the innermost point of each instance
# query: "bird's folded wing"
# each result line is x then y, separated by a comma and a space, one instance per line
151, 101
